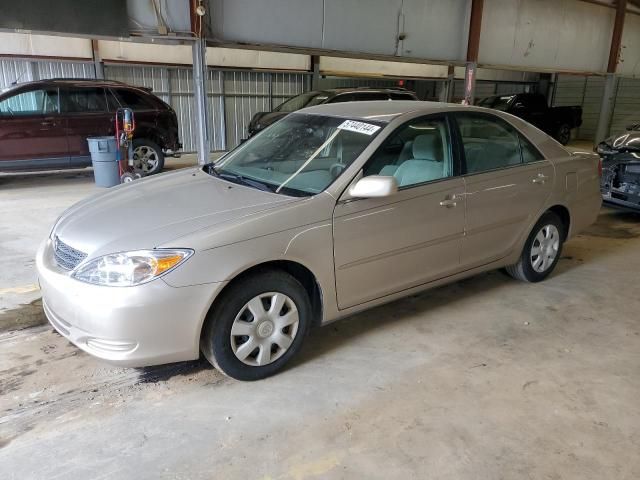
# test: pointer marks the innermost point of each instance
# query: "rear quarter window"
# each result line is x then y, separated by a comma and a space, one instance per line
135, 100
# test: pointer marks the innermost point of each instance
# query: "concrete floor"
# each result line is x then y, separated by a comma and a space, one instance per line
487, 378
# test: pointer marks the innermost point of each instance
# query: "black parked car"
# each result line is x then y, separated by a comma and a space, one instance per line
533, 108
621, 168
262, 120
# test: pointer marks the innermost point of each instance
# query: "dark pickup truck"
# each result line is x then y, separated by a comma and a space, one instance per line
532, 107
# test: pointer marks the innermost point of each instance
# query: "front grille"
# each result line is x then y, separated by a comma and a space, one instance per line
67, 257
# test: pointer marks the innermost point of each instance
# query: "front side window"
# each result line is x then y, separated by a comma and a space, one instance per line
34, 102
489, 142
84, 100
300, 155
415, 153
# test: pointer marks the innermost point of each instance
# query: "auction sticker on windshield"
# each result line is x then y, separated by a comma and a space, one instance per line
359, 127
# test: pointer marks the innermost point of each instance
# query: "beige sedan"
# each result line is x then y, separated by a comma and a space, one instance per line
330, 211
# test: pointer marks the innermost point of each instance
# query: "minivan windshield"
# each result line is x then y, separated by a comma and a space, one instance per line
300, 155
301, 101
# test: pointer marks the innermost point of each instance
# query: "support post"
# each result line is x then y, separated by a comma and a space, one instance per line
446, 93
98, 65
606, 107
473, 48
470, 83
616, 36
611, 82
200, 98
315, 72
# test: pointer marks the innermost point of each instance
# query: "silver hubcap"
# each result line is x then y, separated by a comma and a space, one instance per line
147, 157
545, 248
264, 329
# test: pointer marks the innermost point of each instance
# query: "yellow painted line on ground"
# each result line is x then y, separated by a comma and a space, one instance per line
24, 289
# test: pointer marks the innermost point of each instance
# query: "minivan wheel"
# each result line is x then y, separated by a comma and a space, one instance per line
149, 154
541, 251
257, 325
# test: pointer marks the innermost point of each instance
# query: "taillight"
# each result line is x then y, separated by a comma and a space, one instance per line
600, 167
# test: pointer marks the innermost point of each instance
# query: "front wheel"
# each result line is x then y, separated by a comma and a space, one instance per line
147, 156
541, 251
257, 326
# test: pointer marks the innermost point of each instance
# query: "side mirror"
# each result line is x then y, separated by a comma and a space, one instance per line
374, 186
519, 106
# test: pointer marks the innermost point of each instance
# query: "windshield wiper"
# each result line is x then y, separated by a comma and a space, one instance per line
234, 177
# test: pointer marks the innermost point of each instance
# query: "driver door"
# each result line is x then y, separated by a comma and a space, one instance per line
386, 245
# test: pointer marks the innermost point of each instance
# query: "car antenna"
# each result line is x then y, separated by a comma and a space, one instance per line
15, 82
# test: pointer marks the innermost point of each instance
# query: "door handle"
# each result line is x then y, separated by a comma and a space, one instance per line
541, 178
449, 202
47, 123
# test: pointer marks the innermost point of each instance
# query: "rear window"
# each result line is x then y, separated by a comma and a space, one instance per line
134, 100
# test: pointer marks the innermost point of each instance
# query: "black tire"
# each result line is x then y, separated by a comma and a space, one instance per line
216, 342
563, 133
157, 156
523, 270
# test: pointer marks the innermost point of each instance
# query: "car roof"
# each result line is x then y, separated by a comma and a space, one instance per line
380, 110
340, 90
73, 82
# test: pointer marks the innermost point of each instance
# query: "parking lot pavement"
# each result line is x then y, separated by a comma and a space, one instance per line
485, 378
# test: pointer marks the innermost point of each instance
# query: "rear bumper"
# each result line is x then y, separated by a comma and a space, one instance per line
138, 326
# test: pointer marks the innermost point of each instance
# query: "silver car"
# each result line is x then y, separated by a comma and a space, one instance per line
330, 211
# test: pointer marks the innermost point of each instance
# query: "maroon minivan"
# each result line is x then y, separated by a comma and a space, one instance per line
45, 124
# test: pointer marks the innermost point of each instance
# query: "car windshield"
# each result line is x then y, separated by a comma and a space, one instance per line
301, 101
497, 103
300, 155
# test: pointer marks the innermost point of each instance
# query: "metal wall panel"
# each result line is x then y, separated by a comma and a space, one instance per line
585, 91
58, 69
434, 29
14, 70
155, 78
627, 105
562, 35
247, 92
285, 85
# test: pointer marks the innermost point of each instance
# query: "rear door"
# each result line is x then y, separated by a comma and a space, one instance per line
32, 133
507, 184
87, 115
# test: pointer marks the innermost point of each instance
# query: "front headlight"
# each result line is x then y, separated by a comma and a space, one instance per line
127, 269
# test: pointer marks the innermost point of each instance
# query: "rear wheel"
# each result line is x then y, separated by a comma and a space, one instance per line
148, 156
541, 251
257, 326
563, 135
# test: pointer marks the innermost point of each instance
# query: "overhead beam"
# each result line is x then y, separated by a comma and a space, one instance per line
616, 37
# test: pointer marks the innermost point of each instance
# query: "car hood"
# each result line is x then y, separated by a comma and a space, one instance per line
629, 140
151, 212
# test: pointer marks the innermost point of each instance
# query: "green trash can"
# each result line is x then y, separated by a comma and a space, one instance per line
104, 160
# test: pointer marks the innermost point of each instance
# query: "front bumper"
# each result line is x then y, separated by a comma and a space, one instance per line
149, 324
